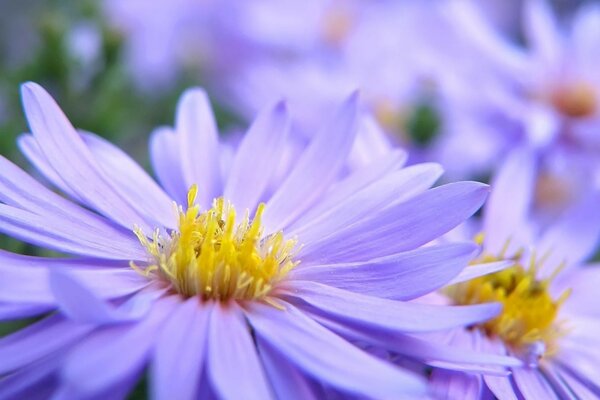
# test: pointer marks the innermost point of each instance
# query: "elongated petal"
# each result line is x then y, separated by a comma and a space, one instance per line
259, 152
477, 270
20, 190
574, 236
26, 279
57, 233
124, 351
179, 353
67, 153
32, 382
402, 227
38, 341
542, 31
532, 384
165, 158
318, 166
404, 276
384, 314
12, 311
328, 358
286, 380
508, 206
358, 180
393, 188
139, 188
199, 145
81, 304
232, 357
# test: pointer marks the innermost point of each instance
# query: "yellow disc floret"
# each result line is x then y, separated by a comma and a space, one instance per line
528, 319
214, 256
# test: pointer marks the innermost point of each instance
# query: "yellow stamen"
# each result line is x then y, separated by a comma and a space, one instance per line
528, 319
214, 257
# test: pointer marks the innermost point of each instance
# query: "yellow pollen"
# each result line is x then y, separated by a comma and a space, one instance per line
214, 257
577, 100
528, 319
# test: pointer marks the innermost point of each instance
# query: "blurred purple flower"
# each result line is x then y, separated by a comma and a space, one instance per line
218, 303
549, 319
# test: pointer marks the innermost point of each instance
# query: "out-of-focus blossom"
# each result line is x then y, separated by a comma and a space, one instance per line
208, 297
549, 319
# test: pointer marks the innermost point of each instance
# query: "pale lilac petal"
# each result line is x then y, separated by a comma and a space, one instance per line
68, 154
476, 270
123, 352
12, 311
574, 236
38, 341
257, 156
26, 279
501, 386
198, 145
394, 188
327, 357
20, 190
532, 384
179, 352
542, 32
455, 385
59, 233
555, 380
403, 276
432, 352
287, 382
508, 206
75, 300
132, 181
403, 227
355, 182
586, 36
232, 357
34, 154
384, 314
581, 388
318, 166
165, 158
33, 382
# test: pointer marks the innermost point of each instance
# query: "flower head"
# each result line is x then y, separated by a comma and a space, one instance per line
257, 278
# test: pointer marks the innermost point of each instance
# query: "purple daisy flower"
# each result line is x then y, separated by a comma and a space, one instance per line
550, 319
238, 291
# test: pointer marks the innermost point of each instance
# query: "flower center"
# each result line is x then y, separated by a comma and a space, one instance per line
214, 257
528, 320
577, 100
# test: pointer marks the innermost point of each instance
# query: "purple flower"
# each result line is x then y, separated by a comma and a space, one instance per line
549, 320
239, 291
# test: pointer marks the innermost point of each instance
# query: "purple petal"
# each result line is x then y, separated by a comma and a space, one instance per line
179, 352
33, 382
574, 236
318, 166
403, 276
403, 227
455, 385
286, 380
65, 235
476, 270
25, 279
394, 188
13, 311
132, 181
353, 183
258, 153
541, 30
199, 145
383, 314
165, 158
232, 357
508, 206
327, 357
68, 154
532, 384
38, 341
81, 304
111, 356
